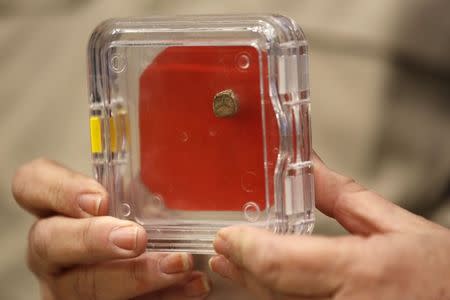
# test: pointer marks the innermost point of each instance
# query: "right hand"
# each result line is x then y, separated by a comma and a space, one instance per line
392, 254
78, 253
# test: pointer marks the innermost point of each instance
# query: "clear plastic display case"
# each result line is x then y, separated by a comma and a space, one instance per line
202, 122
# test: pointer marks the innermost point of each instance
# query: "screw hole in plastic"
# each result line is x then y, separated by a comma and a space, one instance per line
251, 211
243, 61
118, 63
126, 210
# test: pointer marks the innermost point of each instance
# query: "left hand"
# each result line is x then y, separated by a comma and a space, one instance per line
392, 255
77, 252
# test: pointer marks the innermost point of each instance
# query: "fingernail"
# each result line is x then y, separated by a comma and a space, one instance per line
219, 264
220, 244
175, 263
197, 287
90, 203
124, 237
211, 262
214, 263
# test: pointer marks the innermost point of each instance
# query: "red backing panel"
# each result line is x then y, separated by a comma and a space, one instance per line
193, 159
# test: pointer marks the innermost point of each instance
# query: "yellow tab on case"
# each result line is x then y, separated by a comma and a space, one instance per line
96, 134
112, 135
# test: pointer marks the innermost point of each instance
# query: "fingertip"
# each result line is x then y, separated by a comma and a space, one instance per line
220, 244
90, 204
220, 265
176, 263
232, 242
210, 262
20, 183
102, 209
231, 233
92, 198
215, 263
141, 239
148, 274
198, 286
224, 232
230, 237
128, 239
103, 205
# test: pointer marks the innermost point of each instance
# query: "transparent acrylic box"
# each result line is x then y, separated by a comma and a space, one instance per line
202, 122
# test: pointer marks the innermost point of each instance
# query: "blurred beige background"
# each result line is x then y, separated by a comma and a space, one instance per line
380, 77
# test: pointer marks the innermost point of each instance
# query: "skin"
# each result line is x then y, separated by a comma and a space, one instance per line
392, 254
77, 252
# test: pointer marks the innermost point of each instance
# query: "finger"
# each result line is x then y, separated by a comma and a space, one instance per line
44, 188
59, 242
125, 279
225, 268
196, 286
222, 266
295, 297
359, 210
301, 265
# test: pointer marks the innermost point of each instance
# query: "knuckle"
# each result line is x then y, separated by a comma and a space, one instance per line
347, 181
56, 192
269, 268
85, 283
28, 176
135, 271
348, 188
18, 186
137, 275
369, 275
266, 263
38, 238
41, 162
26, 169
364, 269
87, 236
30, 262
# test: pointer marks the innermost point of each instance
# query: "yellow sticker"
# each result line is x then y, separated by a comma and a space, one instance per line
96, 134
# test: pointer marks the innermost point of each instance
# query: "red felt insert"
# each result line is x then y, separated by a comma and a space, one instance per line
191, 158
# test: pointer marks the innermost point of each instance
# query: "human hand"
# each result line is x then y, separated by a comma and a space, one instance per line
392, 254
78, 253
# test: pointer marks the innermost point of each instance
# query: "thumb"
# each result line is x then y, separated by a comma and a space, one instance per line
303, 266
